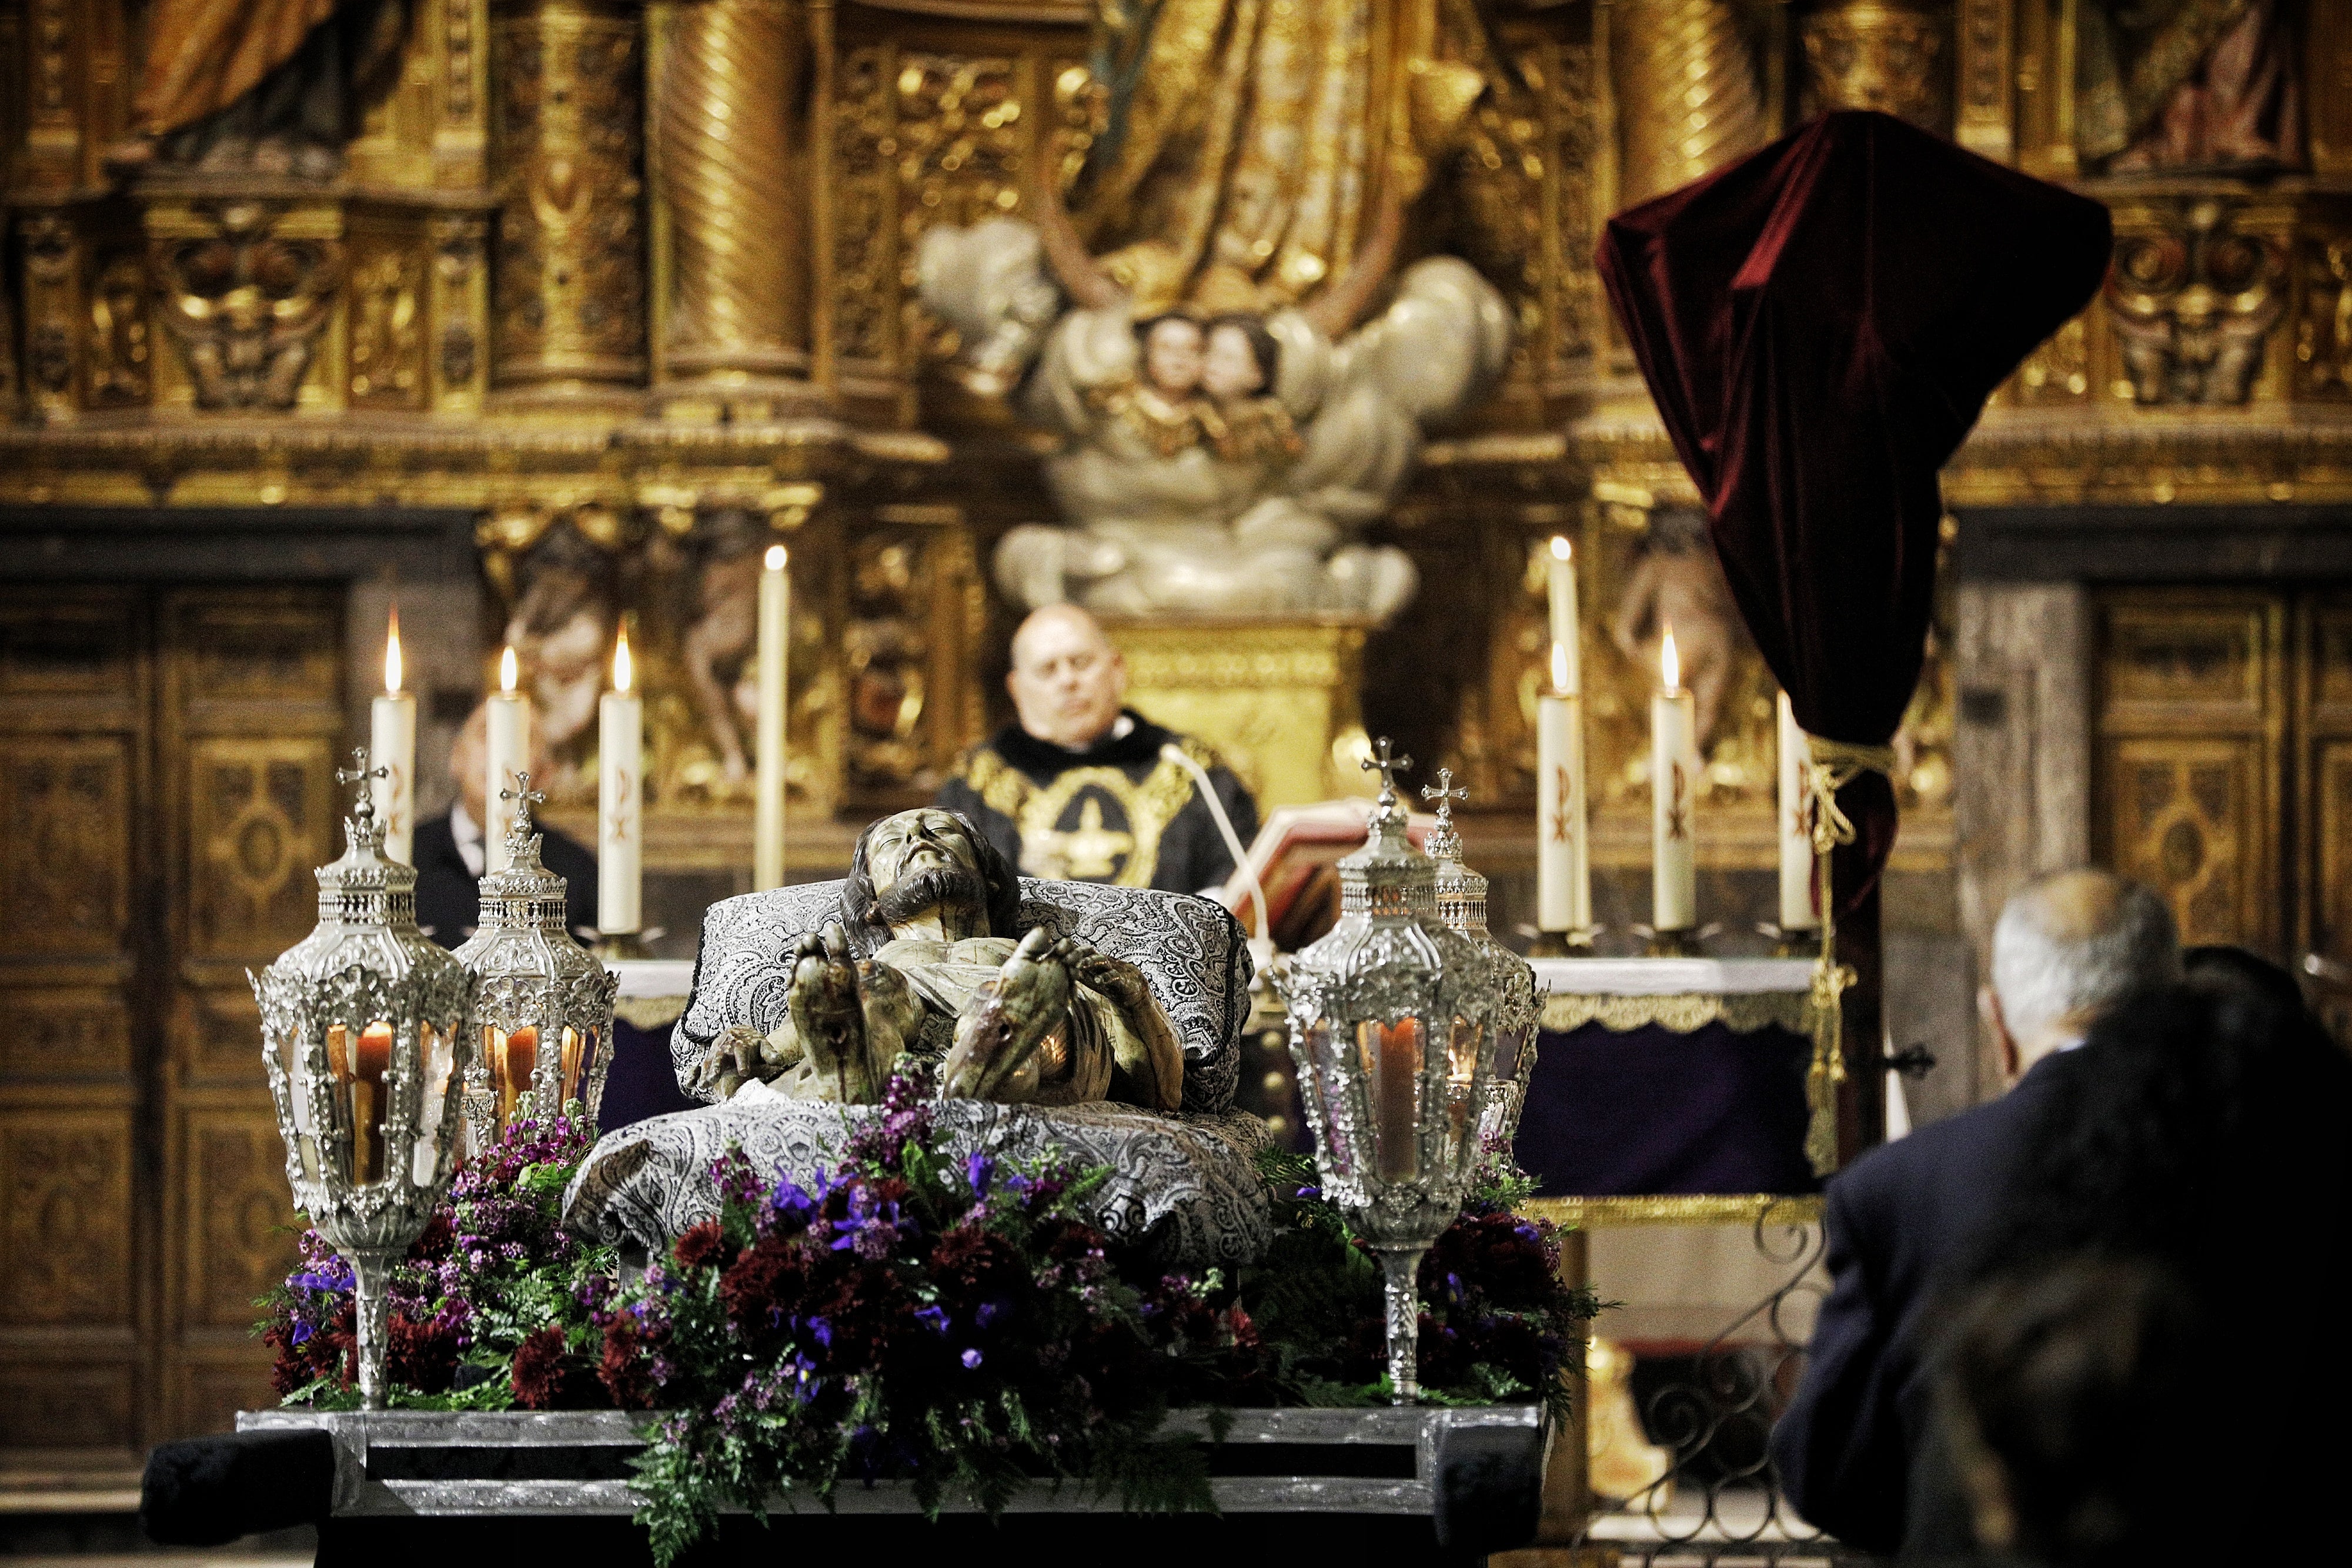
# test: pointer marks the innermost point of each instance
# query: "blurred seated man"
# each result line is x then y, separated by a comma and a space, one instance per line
2066, 949
449, 855
1078, 788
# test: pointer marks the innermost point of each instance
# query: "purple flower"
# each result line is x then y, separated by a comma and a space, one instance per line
977, 1170
971, 1358
936, 1317
987, 1313
1310, 1192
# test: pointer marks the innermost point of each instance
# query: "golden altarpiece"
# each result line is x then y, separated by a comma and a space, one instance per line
616, 294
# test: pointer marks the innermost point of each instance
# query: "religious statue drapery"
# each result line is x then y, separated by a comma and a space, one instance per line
286, 66
1252, 143
2187, 84
1819, 325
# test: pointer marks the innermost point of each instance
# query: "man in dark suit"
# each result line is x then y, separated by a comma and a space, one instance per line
448, 850
1850, 1448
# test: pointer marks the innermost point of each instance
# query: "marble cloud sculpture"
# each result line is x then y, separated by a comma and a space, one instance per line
1103, 1023
1213, 461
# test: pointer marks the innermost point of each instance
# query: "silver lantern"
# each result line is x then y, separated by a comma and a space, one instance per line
1393, 1024
543, 1011
366, 1029
1461, 906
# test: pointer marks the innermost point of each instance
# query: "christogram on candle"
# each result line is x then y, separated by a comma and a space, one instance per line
768, 783
1673, 790
620, 799
506, 758
1800, 910
391, 745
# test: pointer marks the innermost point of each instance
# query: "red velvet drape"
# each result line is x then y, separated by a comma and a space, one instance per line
1819, 325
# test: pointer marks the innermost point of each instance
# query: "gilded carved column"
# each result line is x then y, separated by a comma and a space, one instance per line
568, 292
730, 268
1688, 100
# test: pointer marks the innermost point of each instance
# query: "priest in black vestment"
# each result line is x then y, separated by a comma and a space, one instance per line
449, 855
1077, 785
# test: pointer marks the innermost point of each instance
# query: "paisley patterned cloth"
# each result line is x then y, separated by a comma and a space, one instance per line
1190, 949
1184, 1185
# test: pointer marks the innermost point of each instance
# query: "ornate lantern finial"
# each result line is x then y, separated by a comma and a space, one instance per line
545, 1008
1461, 906
365, 1027
1393, 1025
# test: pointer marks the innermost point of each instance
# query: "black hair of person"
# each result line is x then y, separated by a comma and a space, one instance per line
861, 910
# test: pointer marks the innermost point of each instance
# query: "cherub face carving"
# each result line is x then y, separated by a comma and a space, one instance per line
1171, 357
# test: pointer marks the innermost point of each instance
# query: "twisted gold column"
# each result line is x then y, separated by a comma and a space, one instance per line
734, 304
1687, 96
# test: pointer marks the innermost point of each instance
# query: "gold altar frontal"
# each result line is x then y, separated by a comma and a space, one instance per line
1278, 700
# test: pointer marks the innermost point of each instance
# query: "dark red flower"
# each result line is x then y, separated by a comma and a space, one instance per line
433, 1246
548, 1377
703, 1243
626, 1369
754, 1288
422, 1355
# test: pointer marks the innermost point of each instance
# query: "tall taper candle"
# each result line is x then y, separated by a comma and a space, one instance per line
1674, 788
1798, 895
1561, 581
620, 801
507, 754
1563, 867
768, 794
391, 745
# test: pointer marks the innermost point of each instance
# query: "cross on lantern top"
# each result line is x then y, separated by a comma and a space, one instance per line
1444, 794
1389, 766
524, 798
361, 774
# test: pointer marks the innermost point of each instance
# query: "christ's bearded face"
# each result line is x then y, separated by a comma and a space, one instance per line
921, 861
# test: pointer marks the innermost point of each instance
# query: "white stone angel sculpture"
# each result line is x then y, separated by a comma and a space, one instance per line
1213, 461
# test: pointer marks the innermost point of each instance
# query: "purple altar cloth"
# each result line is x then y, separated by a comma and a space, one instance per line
1648, 1112
640, 1083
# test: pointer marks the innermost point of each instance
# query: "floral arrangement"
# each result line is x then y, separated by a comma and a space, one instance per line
957, 1323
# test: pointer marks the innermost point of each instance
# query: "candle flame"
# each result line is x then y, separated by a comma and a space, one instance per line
1669, 665
392, 671
1561, 548
1559, 666
507, 671
622, 666
775, 557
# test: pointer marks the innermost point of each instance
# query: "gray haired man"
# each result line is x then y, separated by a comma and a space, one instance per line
2066, 948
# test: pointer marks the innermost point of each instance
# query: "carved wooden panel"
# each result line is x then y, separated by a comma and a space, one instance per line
2192, 715
238, 1213
259, 820
51, 1403
261, 646
2188, 822
64, 645
65, 860
56, 1032
65, 1217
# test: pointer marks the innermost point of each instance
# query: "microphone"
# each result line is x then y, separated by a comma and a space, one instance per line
1176, 754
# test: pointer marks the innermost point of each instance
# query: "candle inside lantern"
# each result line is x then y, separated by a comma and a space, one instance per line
577, 1048
514, 1057
1563, 868
620, 799
768, 784
1673, 787
1393, 1063
391, 745
358, 1067
508, 754
1800, 909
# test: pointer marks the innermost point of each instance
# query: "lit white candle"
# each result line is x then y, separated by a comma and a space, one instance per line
1797, 908
620, 799
1560, 580
391, 747
1563, 866
507, 754
1674, 786
768, 784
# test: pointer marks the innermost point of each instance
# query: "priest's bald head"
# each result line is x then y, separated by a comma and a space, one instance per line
1066, 679
2067, 947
